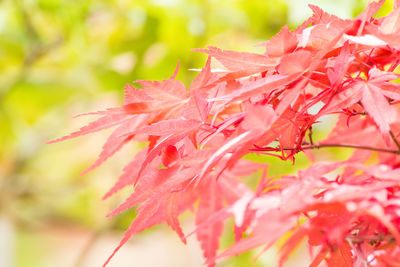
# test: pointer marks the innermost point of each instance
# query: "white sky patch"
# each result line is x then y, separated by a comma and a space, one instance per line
367, 39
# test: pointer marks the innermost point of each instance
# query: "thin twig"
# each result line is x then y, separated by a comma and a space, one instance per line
318, 146
394, 140
310, 135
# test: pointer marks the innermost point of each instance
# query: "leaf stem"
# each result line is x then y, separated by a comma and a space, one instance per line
394, 140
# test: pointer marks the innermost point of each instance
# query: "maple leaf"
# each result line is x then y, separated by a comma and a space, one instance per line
282, 43
104, 122
375, 103
210, 203
240, 64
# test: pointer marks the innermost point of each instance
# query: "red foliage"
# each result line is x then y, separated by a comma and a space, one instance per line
261, 103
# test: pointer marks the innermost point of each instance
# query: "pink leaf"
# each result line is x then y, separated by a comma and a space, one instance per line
171, 215
238, 61
167, 127
377, 107
116, 140
95, 126
210, 203
297, 62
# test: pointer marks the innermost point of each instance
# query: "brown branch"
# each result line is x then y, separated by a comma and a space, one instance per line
318, 146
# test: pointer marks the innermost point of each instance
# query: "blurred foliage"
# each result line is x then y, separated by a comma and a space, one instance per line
60, 58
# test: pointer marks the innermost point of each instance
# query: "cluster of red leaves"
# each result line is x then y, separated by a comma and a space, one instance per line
349, 211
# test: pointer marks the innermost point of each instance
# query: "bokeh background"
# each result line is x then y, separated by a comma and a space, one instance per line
59, 58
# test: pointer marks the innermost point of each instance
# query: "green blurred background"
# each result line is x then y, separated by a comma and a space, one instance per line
61, 58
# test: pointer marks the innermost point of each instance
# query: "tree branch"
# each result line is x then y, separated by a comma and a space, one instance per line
318, 146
